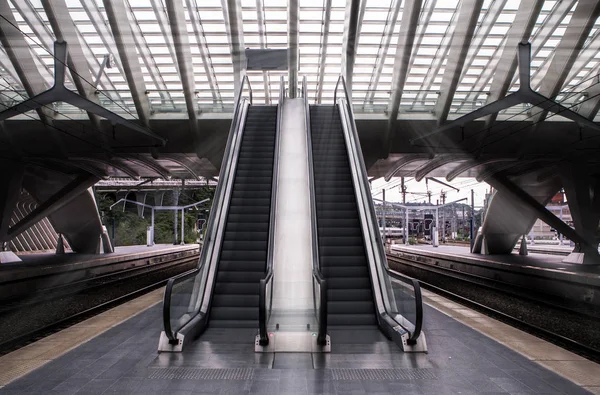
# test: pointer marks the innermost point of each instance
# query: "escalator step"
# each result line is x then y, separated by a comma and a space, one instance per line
347, 271
235, 301
349, 282
236, 288
242, 256
239, 276
351, 319
341, 243
234, 313
350, 307
242, 261
242, 266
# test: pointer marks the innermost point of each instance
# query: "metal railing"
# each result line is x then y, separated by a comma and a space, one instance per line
319, 282
192, 317
397, 297
265, 294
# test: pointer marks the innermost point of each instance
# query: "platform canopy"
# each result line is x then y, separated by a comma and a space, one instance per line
459, 51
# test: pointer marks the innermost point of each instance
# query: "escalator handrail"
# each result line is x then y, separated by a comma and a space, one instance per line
418, 300
263, 311
317, 274
370, 212
215, 212
167, 301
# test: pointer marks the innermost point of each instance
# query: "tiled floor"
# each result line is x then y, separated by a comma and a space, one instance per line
124, 360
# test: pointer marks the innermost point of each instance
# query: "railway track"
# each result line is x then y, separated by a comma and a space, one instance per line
511, 305
75, 287
103, 293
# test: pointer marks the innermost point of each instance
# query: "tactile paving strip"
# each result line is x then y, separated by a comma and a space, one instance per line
382, 374
202, 374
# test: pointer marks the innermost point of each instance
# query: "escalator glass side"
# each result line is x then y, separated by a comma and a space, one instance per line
243, 256
341, 247
397, 297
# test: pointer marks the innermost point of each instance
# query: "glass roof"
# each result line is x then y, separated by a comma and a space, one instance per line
264, 24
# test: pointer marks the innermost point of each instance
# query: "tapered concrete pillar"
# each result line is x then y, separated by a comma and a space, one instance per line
140, 197
158, 198
523, 246
582, 196
11, 178
60, 245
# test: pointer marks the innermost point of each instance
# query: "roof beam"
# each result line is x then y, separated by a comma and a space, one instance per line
10, 69
236, 38
568, 49
124, 40
147, 57
469, 164
383, 51
589, 108
105, 34
439, 161
20, 56
53, 203
181, 41
520, 31
440, 56
293, 21
551, 23
461, 40
323, 54
204, 53
404, 161
404, 47
488, 22
260, 8
353, 19
64, 28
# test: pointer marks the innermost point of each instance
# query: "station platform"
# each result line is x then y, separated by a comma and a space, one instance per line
535, 261
73, 266
463, 358
46, 271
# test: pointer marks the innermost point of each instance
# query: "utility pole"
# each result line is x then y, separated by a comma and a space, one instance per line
403, 187
472, 227
383, 222
429, 196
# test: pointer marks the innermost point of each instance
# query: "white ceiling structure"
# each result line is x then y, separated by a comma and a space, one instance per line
448, 64
432, 60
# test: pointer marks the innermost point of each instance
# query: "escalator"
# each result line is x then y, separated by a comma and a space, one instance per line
223, 291
341, 247
243, 258
250, 233
362, 291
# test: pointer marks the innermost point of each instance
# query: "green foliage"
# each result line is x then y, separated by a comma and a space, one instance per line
130, 228
412, 241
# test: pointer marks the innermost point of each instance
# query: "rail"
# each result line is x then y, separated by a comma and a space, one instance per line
265, 293
398, 300
319, 282
199, 296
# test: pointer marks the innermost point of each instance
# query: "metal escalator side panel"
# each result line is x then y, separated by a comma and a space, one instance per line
390, 321
371, 241
242, 259
265, 298
200, 295
342, 254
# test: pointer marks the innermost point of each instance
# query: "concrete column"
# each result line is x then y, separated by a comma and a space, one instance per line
11, 178
581, 192
140, 197
159, 196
